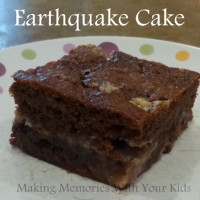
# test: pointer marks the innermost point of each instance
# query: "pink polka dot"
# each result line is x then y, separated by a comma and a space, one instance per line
108, 48
68, 47
2, 69
1, 90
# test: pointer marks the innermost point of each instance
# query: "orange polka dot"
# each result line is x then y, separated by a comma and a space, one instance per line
182, 55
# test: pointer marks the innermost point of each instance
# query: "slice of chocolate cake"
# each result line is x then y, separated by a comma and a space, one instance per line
108, 120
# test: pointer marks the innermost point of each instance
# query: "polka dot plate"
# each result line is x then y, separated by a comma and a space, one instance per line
175, 176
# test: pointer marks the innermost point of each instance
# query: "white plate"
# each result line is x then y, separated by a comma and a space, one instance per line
175, 176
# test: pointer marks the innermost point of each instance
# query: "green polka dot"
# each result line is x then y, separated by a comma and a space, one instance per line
146, 49
29, 54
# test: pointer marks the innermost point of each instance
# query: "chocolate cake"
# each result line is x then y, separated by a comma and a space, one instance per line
106, 119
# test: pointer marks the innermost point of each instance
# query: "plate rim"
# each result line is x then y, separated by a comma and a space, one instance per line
104, 36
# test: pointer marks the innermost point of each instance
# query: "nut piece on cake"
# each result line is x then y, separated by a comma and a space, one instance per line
108, 120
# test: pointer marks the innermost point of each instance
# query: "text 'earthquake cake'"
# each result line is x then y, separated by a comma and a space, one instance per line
108, 120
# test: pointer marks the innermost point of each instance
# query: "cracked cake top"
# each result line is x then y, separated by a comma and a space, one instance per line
122, 84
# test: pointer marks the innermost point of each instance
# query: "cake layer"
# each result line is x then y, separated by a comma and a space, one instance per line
118, 150
59, 114
75, 155
123, 90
